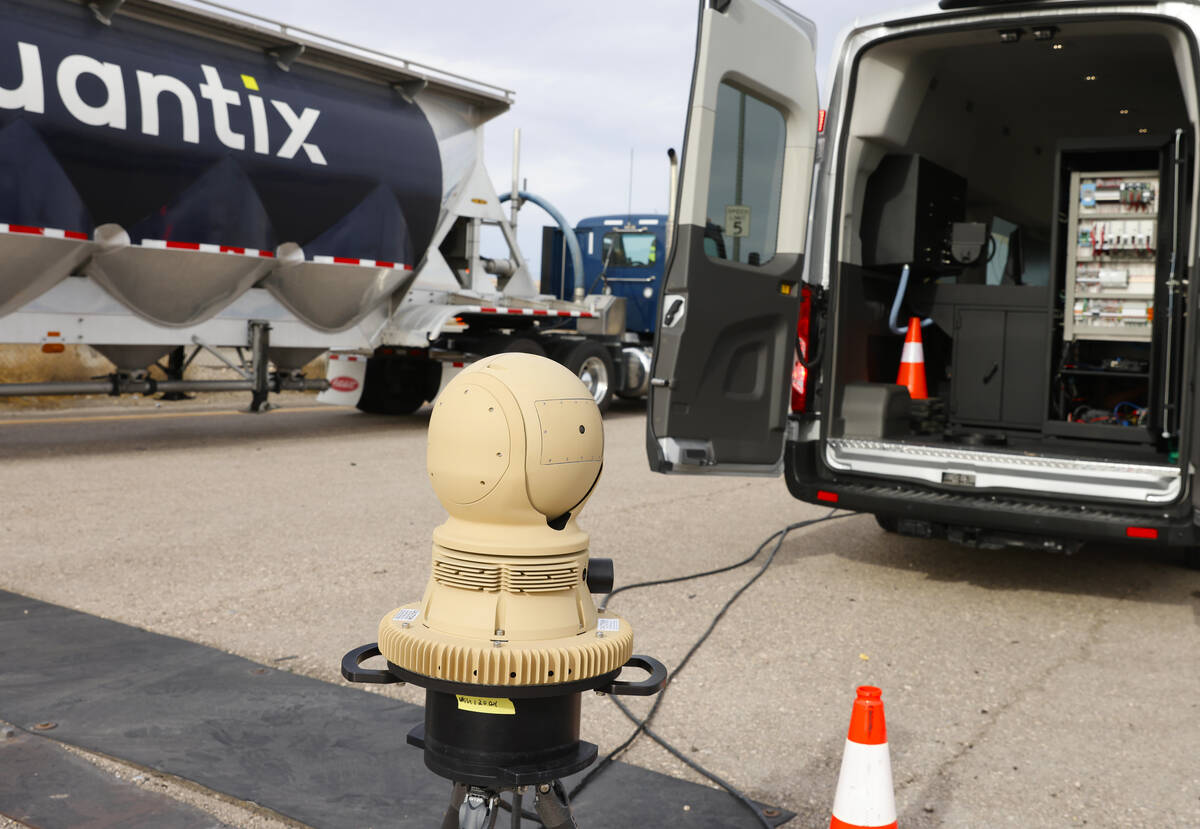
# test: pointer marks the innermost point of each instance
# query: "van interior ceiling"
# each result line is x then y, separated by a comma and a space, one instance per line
1026, 177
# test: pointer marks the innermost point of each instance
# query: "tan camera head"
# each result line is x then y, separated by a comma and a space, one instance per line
516, 445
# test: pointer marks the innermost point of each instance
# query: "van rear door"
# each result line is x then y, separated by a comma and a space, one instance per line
726, 335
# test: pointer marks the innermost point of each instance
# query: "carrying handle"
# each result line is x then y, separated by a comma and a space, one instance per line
356, 657
655, 682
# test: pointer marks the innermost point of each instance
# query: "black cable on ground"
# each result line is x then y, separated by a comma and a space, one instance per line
643, 724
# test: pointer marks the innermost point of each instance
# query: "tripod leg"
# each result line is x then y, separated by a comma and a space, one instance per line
457, 795
479, 810
550, 804
518, 796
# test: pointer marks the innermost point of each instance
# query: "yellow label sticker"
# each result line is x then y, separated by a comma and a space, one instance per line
249, 82
486, 705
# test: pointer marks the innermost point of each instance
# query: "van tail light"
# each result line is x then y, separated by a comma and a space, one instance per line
799, 372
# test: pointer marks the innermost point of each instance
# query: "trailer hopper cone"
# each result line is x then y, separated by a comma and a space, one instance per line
912, 362
864, 798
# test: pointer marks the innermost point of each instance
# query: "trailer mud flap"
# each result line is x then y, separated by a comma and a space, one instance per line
346, 373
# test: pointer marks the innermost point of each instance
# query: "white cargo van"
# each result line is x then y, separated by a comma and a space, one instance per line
1020, 177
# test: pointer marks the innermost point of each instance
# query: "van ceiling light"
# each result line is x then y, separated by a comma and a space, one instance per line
1045, 33
1089, 77
1124, 111
1010, 35
1143, 131
1057, 47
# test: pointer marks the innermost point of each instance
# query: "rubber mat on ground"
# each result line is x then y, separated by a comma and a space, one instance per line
44, 785
324, 755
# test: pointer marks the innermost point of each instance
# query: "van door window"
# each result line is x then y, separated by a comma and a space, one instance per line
746, 177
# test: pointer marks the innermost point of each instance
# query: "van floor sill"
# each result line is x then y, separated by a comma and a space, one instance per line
1005, 468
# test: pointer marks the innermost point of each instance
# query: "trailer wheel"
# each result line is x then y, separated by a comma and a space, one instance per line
887, 523
593, 365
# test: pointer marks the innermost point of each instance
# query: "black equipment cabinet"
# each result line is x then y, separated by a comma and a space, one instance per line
909, 208
999, 369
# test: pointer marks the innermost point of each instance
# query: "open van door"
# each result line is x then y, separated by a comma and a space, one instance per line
726, 334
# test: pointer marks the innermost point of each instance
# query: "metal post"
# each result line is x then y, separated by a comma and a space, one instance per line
176, 362
260, 343
1172, 285
515, 203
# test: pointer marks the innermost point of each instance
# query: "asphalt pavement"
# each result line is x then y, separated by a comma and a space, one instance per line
1021, 688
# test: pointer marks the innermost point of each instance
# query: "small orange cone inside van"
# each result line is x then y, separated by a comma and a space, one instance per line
865, 799
912, 362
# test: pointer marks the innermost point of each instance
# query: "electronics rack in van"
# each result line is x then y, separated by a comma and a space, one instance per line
1110, 275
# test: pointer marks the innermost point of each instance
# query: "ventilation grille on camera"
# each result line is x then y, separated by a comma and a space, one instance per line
534, 576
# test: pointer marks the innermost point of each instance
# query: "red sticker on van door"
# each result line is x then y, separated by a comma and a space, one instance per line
343, 384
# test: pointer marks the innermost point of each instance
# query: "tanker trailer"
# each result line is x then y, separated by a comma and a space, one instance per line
183, 175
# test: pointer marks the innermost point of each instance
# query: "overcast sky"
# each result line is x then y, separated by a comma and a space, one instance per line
592, 82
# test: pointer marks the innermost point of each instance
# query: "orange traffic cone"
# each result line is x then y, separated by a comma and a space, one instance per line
912, 362
864, 798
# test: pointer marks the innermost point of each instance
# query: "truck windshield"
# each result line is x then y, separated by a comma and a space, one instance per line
629, 250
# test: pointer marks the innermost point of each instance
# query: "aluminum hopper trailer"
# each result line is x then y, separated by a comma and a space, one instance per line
184, 175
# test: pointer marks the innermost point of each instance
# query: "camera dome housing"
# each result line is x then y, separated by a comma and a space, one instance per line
516, 445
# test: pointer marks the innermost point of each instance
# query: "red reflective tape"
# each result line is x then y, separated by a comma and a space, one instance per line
408, 267
540, 313
381, 264
36, 231
268, 254
74, 234
232, 249
352, 359
333, 356
820, 120
1141, 532
458, 365
586, 315
514, 310
342, 260
564, 313
184, 245
828, 497
841, 824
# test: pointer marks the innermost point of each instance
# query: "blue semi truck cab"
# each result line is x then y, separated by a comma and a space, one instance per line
623, 255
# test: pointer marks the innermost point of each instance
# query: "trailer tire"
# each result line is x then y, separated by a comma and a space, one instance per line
887, 523
592, 364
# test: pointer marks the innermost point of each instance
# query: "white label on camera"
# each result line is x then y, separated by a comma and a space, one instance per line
608, 625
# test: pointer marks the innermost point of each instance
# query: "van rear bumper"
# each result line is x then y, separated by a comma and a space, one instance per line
1028, 521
